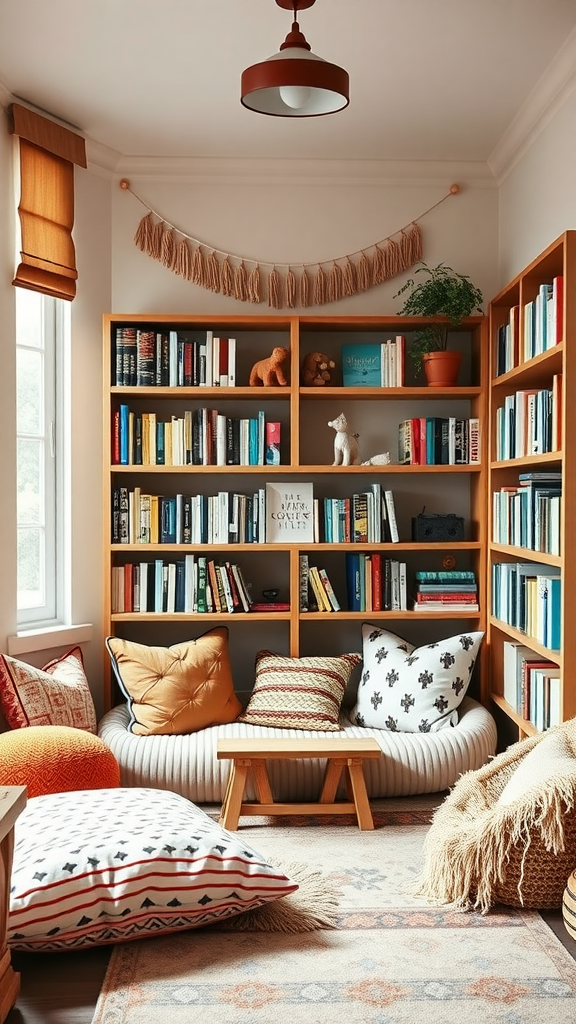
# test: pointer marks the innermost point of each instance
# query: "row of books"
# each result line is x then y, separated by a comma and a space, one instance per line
531, 686
147, 357
201, 437
368, 517
223, 518
272, 513
529, 422
543, 323
527, 514
374, 364
544, 319
375, 583
527, 596
439, 441
194, 584
452, 589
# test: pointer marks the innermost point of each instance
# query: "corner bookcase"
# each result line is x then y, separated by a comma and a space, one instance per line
306, 455
532, 492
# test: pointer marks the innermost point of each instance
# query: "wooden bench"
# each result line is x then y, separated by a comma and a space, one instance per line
341, 755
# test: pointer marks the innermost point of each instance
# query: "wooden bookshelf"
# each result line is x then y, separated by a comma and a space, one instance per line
535, 370
307, 453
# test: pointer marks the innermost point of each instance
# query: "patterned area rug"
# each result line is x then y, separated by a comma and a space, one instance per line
390, 959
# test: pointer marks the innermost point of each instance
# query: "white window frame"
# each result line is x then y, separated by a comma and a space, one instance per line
55, 326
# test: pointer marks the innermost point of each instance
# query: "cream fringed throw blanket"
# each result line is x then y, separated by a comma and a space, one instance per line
506, 833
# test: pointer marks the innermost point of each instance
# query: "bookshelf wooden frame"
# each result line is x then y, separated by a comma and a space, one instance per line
558, 259
300, 334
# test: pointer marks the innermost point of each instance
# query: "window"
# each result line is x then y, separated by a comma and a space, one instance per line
42, 328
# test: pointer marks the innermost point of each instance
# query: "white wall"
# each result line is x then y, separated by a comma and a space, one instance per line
538, 196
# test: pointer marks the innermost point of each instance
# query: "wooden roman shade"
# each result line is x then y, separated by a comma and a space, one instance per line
48, 153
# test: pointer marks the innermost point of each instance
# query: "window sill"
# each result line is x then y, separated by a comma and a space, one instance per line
28, 640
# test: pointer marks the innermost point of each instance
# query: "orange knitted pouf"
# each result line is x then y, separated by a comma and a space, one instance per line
56, 759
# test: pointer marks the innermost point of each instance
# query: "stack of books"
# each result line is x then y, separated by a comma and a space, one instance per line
316, 590
453, 590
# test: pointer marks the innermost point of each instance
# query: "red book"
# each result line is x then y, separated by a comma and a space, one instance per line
466, 597
223, 363
129, 587
270, 606
116, 438
376, 581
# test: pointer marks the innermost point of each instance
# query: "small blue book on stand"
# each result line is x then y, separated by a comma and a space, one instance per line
362, 366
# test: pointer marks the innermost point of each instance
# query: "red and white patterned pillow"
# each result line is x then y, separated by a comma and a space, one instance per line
57, 694
106, 865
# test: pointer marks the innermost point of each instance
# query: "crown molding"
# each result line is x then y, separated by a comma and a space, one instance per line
545, 100
359, 173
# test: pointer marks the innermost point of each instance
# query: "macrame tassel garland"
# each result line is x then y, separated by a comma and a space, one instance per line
359, 272
246, 279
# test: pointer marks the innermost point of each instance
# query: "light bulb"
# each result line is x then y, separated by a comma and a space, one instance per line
295, 96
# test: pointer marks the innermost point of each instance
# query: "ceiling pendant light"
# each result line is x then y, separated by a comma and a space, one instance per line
295, 82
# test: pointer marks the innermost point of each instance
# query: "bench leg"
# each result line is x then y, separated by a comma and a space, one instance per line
262, 782
361, 802
230, 813
331, 779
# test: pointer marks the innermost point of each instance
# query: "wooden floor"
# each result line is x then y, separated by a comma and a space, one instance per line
62, 988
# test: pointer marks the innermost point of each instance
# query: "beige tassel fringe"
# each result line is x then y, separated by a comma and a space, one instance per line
274, 289
241, 283
183, 265
305, 288
290, 289
335, 283
213, 272
227, 278
254, 285
349, 278
144, 233
364, 273
167, 250
198, 275
320, 287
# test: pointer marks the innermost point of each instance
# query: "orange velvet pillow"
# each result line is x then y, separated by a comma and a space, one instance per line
179, 689
56, 759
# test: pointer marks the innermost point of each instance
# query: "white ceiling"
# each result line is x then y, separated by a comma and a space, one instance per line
448, 80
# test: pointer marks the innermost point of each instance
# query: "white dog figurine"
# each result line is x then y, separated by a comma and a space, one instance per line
346, 451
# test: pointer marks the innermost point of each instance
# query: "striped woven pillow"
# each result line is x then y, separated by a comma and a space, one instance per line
299, 693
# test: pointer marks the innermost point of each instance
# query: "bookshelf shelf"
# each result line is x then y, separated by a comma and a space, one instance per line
531, 327
306, 454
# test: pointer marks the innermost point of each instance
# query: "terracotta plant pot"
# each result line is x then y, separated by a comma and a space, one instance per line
441, 368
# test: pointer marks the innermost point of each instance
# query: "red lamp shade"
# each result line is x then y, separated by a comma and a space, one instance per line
295, 82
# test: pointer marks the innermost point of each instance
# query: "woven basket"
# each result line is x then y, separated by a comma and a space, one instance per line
480, 852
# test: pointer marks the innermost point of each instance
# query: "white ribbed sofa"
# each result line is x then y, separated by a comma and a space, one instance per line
411, 763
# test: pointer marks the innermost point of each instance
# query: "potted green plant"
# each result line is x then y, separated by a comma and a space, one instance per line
440, 293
